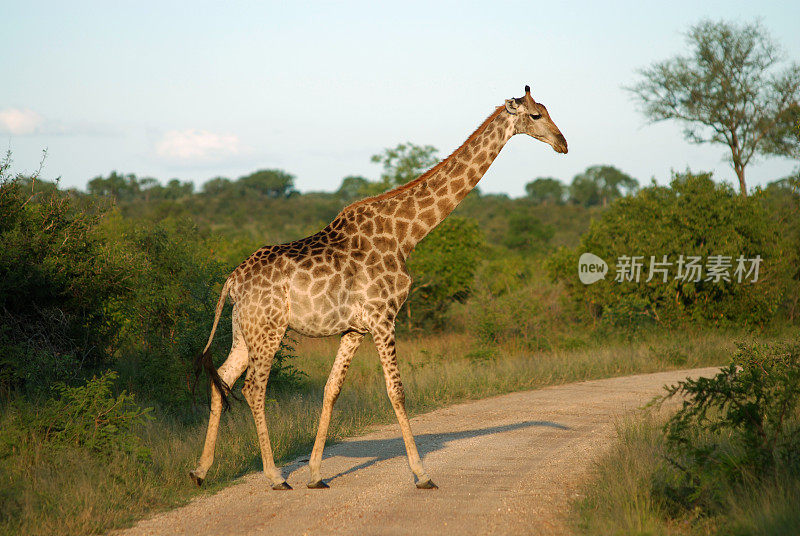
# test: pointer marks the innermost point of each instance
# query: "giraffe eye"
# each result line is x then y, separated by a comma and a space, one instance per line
536, 116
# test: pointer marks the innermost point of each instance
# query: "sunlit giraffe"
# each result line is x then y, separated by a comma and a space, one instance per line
350, 279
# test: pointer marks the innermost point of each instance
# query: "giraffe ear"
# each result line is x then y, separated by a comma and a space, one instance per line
512, 106
528, 94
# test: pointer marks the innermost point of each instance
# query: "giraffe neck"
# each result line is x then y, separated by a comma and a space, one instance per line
422, 204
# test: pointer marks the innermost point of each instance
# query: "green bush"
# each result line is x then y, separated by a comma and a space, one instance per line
174, 278
512, 301
526, 232
740, 426
82, 289
443, 268
165, 316
781, 200
283, 374
54, 283
625, 494
87, 416
530, 315
692, 217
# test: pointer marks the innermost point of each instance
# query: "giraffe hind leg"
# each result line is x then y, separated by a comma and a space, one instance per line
233, 367
262, 348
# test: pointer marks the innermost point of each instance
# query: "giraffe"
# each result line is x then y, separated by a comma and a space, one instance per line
350, 279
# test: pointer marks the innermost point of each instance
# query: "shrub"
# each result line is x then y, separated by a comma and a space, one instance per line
512, 302
529, 315
54, 284
87, 416
740, 425
781, 200
526, 232
443, 268
166, 313
692, 217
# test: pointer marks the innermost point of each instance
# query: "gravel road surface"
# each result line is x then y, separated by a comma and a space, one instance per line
504, 465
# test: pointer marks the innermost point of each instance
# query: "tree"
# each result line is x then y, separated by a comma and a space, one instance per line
613, 182
175, 189
118, 186
584, 191
729, 90
147, 186
404, 162
526, 232
353, 187
601, 185
274, 183
217, 185
545, 190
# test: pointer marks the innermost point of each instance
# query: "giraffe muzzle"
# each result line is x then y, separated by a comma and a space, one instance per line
560, 146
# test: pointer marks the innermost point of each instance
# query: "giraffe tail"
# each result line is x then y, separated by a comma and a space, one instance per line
206, 361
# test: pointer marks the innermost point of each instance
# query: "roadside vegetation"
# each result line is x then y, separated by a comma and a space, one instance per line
725, 463
106, 297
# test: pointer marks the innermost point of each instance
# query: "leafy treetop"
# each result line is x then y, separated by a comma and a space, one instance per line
728, 90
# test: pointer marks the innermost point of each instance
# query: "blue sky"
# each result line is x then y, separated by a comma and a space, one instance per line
195, 90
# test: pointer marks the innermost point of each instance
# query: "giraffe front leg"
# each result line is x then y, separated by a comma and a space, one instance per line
384, 341
233, 367
347, 348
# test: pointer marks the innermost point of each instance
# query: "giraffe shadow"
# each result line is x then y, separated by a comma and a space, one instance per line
387, 449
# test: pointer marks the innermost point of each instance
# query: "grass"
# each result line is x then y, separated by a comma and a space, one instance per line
622, 495
619, 498
71, 492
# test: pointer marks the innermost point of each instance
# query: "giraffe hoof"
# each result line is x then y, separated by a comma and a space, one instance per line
282, 486
319, 484
197, 480
428, 484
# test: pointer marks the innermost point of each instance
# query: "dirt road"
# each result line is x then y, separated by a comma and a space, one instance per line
504, 465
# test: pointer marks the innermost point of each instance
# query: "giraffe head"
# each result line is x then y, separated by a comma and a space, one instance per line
531, 118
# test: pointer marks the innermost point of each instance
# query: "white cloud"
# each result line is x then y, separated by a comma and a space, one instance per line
197, 145
19, 121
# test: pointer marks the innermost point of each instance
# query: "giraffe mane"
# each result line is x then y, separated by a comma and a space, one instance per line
410, 184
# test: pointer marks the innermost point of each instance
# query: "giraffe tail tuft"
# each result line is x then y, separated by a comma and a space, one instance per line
205, 359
